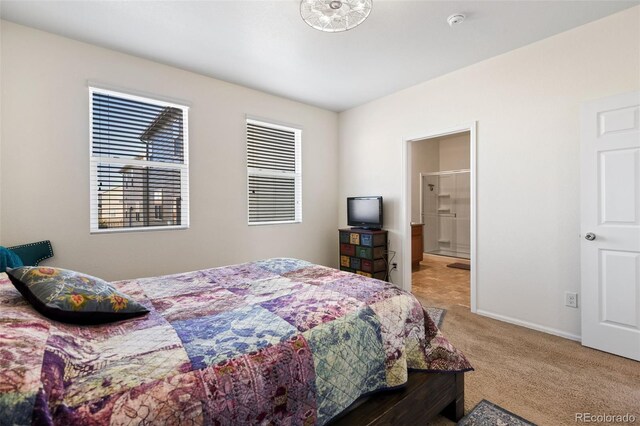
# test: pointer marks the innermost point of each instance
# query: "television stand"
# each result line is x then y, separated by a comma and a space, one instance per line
364, 252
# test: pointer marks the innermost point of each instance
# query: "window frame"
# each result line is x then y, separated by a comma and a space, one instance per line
297, 174
94, 160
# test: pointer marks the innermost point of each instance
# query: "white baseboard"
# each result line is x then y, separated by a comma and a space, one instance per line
530, 325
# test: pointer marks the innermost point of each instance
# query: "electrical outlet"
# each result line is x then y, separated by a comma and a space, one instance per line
571, 299
394, 265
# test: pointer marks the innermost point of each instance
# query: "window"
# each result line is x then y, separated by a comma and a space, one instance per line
139, 163
274, 178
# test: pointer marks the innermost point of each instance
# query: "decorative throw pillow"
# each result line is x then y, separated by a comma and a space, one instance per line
70, 296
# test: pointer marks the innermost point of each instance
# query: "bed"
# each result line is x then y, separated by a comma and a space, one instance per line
279, 341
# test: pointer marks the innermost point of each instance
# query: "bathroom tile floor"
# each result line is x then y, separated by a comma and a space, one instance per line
435, 281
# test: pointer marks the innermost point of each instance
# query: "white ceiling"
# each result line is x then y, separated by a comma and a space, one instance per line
266, 45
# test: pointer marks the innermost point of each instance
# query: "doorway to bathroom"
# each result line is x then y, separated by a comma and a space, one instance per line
445, 211
441, 208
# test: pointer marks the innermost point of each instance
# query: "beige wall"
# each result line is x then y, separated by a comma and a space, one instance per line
454, 152
45, 163
527, 106
425, 158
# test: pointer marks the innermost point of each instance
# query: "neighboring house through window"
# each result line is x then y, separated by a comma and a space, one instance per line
274, 176
139, 163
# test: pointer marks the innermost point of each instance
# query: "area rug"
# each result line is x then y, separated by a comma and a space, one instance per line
489, 414
459, 265
437, 315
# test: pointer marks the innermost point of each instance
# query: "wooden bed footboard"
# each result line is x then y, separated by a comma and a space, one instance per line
425, 396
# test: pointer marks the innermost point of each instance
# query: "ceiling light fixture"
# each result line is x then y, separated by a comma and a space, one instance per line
335, 16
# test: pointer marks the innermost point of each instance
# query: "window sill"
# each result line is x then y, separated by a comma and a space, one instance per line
138, 229
274, 223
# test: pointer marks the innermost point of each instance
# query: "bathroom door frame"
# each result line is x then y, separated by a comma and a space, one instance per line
406, 202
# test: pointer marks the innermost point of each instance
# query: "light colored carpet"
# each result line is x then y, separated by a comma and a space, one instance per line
543, 378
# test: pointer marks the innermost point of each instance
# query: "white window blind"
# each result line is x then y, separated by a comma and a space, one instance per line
274, 176
139, 163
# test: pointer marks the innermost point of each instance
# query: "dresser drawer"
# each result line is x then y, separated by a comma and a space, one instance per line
366, 265
345, 261
371, 240
379, 265
347, 249
344, 237
364, 252
370, 252
364, 274
378, 252
380, 240
355, 263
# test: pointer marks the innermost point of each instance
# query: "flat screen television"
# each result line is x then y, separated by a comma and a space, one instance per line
364, 212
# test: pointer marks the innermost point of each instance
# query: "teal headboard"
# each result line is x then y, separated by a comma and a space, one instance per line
34, 253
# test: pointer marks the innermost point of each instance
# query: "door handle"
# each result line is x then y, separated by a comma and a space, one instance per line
590, 236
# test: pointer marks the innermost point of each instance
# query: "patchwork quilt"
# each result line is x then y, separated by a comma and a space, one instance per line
279, 341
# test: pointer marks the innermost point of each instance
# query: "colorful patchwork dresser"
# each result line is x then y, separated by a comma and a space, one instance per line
364, 252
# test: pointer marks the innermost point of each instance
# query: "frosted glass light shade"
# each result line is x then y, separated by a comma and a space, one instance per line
335, 15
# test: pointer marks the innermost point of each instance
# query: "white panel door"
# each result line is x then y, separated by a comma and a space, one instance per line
610, 225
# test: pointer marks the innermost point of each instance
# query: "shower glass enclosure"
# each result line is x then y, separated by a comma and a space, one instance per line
446, 213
